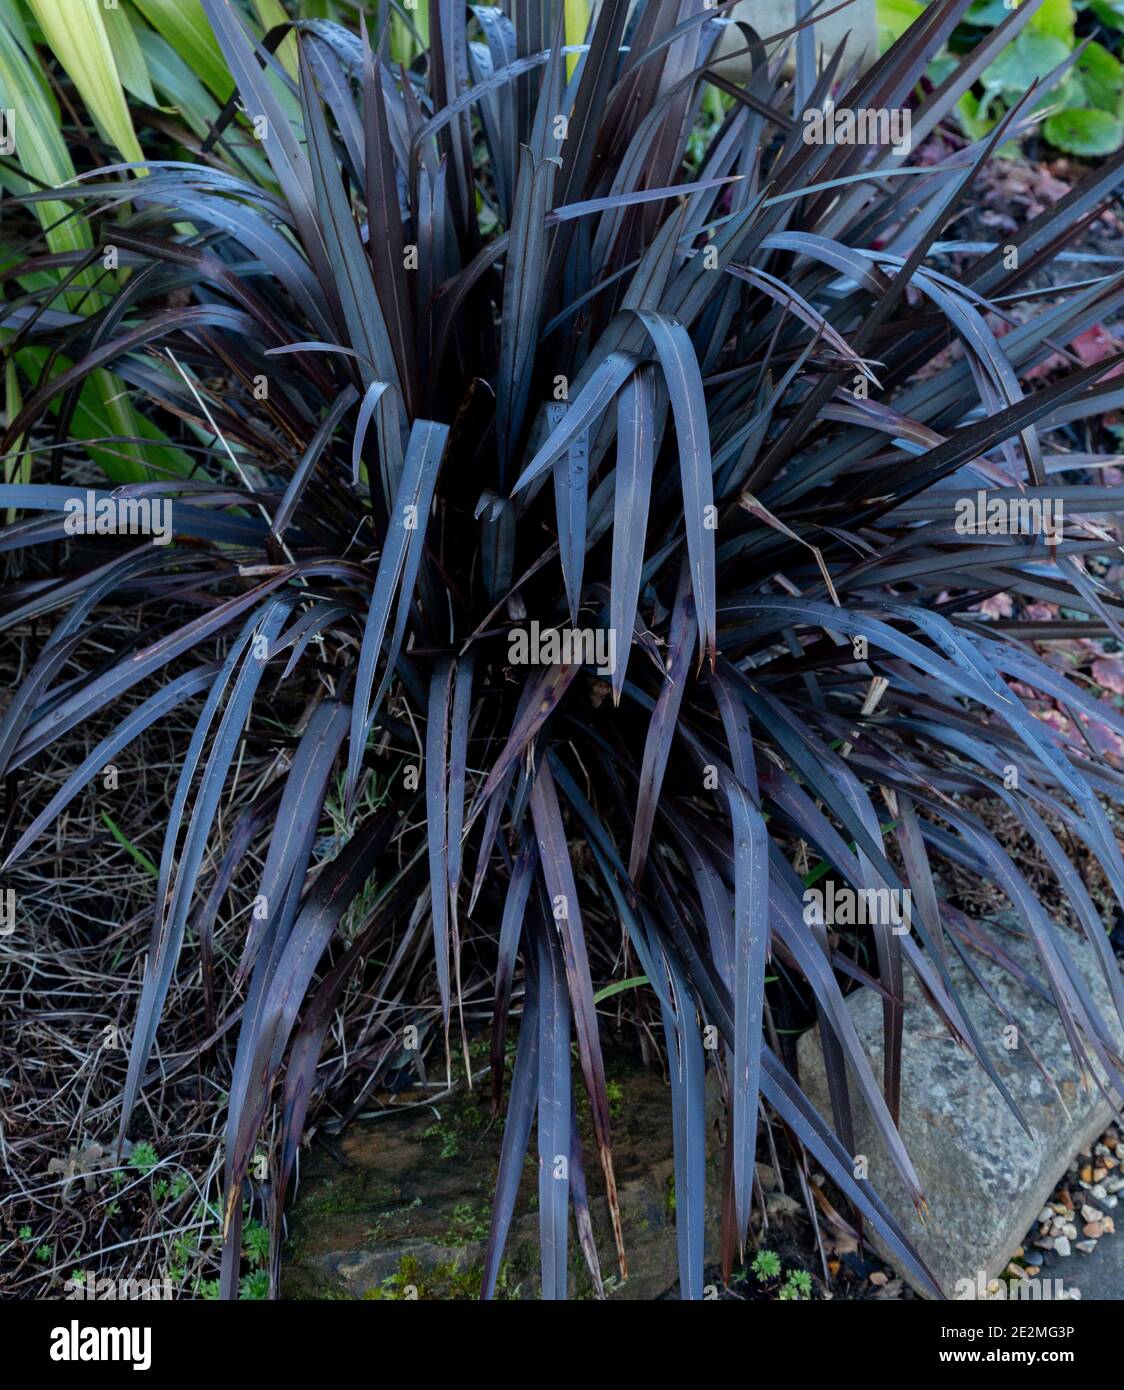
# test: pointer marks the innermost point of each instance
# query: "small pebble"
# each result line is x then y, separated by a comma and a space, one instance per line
1093, 1229
1099, 1174
1045, 1216
1089, 1213
1061, 1246
1099, 1192
1069, 1231
1086, 1173
1086, 1246
1045, 1243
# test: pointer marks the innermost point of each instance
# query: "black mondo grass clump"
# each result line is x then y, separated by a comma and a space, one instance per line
570, 546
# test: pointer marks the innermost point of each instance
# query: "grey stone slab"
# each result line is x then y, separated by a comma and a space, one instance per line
984, 1179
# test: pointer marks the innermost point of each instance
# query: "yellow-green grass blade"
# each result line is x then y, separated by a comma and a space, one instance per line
17, 464
78, 38
40, 149
577, 23
105, 413
120, 25
271, 13
184, 25
104, 409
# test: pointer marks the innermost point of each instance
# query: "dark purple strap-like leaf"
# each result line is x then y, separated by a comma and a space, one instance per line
544, 693
398, 565
516, 1134
496, 803
571, 504
436, 821
320, 743
166, 699
555, 1104
687, 1070
661, 728
366, 410
282, 147
170, 917
386, 247
458, 771
294, 831
751, 944
594, 397
261, 809
511, 929
303, 471
300, 1073
636, 455
352, 283
792, 1105
497, 800
739, 737
59, 649
582, 1217
792, 930
562, 891
918, 870
281, 979
524, 277
91, 696
688, 406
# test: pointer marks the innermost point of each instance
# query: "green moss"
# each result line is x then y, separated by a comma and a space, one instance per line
342, 1201
468, 1224
449, 1281
466, 1115
448, 1136
345, 1194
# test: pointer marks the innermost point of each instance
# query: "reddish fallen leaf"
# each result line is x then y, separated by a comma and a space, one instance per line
1108, 673
1055, 718
1096, 344
998, 606
1105, 740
